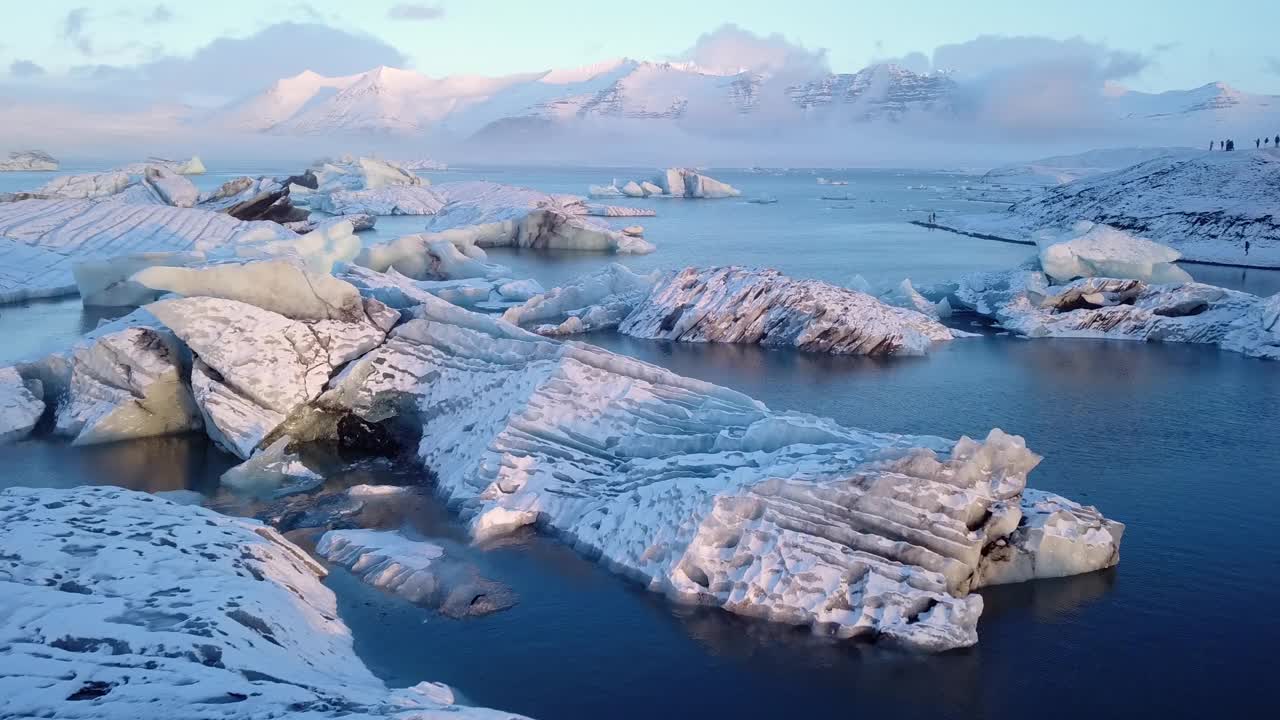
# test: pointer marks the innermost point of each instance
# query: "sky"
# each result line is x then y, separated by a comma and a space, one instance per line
1155, 45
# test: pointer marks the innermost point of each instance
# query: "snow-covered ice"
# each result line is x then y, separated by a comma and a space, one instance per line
672, 182
700, 492
21, 405
596, 301
193, 166
254, 367
1026, 302
1091, 250
119, 605
280, 286
41, 239
734, 305
85, 186
416, 570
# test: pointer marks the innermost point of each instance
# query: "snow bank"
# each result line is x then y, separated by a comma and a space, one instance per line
1091, 250
700, 492
182, 613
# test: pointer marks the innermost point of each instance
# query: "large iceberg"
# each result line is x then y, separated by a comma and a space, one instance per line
701, 493
40, 240
29, 161
85, 186
254, 365
1092, 250
1026, 302
734, 305
118, 605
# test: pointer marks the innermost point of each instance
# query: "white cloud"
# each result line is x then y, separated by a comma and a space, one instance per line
731, 49
230, 67
74, 29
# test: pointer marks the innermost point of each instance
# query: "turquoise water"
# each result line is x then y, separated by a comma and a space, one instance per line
1179, 442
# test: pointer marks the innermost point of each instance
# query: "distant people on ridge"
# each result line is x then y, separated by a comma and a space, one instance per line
1257, 143
1278, 141
1231, 145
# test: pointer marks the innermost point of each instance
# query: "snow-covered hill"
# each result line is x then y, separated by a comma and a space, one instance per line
1207, 205
1061, 169
1212, 103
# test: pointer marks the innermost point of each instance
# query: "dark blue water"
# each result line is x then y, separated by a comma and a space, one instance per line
1177, 441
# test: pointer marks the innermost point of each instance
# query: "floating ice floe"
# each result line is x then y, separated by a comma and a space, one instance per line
272, 470
117, 604
40, 240
29, 161
734, 305
86, 186
1026, 302
598, 301
673, 182
418, 571
701, 493
181, 167
1091, 250
484, 214
110, 281
21, 405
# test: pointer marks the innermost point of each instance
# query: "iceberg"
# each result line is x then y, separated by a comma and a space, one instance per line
387, 200
254, 367
124, 386
485, 214
119, 605
905, 295
706, 495
733, 305
1027, 303
194, 166
40, 240
597, 301
29, 161
418, 571
673, 182
86, 186
21, 405
279, 286
1092, 250
272, 470
686, 183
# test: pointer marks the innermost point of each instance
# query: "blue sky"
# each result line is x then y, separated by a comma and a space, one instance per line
1175, 44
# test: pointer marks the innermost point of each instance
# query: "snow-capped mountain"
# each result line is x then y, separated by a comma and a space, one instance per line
1215, 102
388, 100
403, 102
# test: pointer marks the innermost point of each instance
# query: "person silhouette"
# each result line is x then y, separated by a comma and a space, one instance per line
1278, 141
1257, 143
